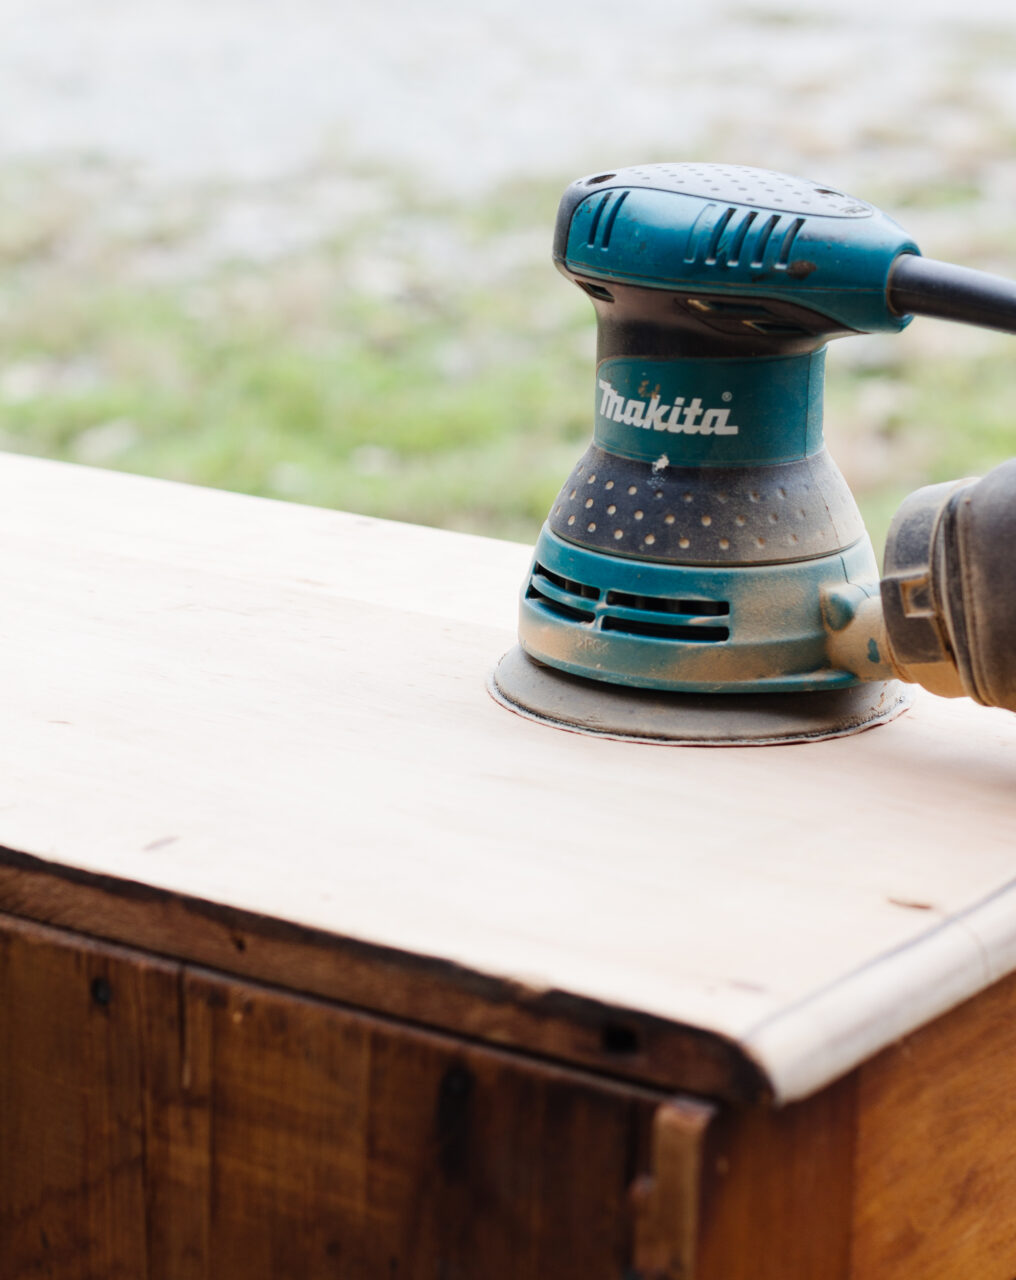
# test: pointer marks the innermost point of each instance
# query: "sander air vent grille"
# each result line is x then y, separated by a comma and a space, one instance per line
654, 617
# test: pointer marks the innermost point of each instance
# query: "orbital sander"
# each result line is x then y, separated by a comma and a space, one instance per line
704, 574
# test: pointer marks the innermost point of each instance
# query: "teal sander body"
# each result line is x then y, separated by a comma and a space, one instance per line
705, 550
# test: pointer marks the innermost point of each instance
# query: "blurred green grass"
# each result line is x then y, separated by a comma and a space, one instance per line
425, 363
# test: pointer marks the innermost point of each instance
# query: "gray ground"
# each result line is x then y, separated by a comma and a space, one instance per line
286, 110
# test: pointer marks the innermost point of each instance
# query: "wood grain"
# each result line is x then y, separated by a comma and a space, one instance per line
936, 1149
163, 1121
777, 1191
177, 1119
72, 1186
668, 1202
422, 990
751, 1193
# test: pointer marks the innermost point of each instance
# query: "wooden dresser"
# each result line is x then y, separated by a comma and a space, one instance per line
315, 962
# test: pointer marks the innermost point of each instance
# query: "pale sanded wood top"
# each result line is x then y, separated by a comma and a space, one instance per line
284, 710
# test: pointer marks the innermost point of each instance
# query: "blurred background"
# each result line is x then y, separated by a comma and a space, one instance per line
303, 250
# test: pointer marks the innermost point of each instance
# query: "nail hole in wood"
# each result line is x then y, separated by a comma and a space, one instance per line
102, 992
615, 1037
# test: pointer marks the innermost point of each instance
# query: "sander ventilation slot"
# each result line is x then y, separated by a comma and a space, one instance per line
621, 611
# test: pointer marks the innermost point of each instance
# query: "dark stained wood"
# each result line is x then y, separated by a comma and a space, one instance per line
162, 1121
936, 1149
177, 1097
756, 1194
777, 1191
72, 1196
431, 993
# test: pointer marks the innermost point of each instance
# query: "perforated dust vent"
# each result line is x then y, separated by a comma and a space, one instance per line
706, 515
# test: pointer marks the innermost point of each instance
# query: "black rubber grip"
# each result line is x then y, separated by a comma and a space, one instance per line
923, 287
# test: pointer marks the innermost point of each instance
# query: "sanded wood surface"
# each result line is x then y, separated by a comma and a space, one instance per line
281, 711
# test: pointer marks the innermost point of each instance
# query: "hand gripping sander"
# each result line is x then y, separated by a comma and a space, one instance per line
704, 574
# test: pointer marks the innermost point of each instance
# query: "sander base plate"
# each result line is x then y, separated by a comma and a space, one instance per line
579, 705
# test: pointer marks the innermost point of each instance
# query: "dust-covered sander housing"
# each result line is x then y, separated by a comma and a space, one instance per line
704, 573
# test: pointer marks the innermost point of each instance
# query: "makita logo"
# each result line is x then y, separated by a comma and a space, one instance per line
690, 419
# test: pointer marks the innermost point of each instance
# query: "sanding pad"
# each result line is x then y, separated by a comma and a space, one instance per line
570, 702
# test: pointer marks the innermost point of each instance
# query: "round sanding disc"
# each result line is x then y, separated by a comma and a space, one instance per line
688, 719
